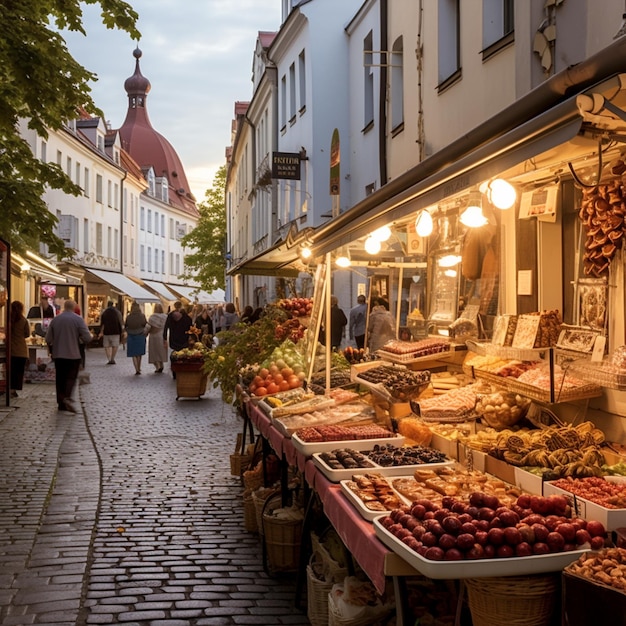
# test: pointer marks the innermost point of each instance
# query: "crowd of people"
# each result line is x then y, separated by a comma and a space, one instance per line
66, 334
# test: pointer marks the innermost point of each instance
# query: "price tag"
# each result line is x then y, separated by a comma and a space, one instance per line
598, 348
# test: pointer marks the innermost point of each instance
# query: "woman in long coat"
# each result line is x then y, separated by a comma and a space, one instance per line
135, 327
157, 350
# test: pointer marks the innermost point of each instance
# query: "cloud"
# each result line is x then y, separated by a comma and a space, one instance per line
198, 58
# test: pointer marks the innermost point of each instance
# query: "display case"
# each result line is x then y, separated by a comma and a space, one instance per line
95, 306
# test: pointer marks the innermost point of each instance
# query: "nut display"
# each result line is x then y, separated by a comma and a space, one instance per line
501, 409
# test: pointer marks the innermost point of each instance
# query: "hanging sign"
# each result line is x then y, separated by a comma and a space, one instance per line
286, 165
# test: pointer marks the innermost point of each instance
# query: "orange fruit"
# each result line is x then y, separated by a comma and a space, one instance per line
260, 391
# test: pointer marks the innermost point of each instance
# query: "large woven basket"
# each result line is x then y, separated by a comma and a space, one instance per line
258, 498
249, 514
317, 591
282, 537
513, 600
190, 384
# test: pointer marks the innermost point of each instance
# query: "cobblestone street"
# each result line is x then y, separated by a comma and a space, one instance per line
127, 512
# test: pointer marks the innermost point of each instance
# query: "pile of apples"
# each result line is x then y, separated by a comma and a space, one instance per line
483, 529
290, 329
277, 377
298, 307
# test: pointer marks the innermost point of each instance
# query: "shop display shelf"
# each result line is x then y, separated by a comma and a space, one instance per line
310, 448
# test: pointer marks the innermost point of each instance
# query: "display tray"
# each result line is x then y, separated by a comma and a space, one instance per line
411, 358
337, 475
483, 568
359, 505
310, 448
538, 393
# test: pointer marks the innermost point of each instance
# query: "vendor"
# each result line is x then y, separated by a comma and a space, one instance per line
43, 312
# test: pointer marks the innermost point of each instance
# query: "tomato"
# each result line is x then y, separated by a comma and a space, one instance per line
284, 385
260, 391
251, 387
286, 372
274, 369
293, 381
257, 380
273, 388
278, 378
263, 372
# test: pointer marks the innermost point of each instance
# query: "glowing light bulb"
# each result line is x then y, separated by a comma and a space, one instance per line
424, 223
502, 194
382, 234
372, 245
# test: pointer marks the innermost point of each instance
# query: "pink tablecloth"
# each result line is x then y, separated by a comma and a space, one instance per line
357, 534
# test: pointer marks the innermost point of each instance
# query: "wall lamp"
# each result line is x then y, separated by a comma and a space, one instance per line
473, 216
343, 258
305, 252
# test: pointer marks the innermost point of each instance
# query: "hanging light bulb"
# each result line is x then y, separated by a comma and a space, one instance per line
501, 194
382, 234
343, 258
305, 252
473, 216
372, 245
424, 223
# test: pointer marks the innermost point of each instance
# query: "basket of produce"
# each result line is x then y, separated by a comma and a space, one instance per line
528, 600
282, 531
501, 409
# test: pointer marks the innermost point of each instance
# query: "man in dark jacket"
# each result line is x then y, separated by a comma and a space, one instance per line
111, 327
338, 321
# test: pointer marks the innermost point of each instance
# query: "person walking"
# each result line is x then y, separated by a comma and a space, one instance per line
230, 316
358, 320
175, 330
20, 330
135, 327
338, 322
64, 333
157, 350
111, 327
382, 326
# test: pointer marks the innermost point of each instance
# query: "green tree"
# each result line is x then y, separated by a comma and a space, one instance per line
207, 263
42, 83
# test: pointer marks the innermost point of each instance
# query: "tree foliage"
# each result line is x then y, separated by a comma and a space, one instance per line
207, 263
40, 82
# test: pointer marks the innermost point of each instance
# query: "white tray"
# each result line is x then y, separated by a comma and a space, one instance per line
483, 568
310, 448
337, 475
364, 512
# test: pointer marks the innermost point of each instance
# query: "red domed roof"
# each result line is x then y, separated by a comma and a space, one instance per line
150, 148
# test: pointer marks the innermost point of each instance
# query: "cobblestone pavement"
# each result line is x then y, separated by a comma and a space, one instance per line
126, 513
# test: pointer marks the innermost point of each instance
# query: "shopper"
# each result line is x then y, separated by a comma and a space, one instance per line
111, 327
65, 332
358, 321
135, 327
338, 322
157, 350
20, 330
382, 326
204, 322
230, 316
176, 326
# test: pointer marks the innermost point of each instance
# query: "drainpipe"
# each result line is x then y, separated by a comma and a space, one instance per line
122, 221
382, 94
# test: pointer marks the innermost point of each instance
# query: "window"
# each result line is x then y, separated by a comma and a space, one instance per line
162, 225
149, 256
44, 151
109, 193
156, 223
368, 80
98, 238
142, 254
116, 238
292, 93
498, 23
132, 251
283, 103
85, 235
397, 85
98, 188
68, 166
302, 81
156, 261
449, 41
171, 262
125, 248
162, 261
86, 183
172, 228
149, 228
78, 168
125, 206
142, 218
59, 158
116, 193
177, 264
109, 241
100, 143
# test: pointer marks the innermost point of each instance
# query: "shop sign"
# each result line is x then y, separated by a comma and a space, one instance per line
286, 165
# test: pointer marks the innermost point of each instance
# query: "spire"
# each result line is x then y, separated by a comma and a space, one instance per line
137, 86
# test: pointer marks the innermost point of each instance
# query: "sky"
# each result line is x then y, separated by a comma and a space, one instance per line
197, 55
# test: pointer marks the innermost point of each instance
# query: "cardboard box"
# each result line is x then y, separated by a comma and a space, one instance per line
500, 469
529, 483
450, 447
586, 602
611, 518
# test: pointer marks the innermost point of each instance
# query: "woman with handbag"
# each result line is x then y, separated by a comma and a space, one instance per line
157, 351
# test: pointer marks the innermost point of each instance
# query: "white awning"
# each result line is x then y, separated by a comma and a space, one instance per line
124, 285
195, 294
161, 289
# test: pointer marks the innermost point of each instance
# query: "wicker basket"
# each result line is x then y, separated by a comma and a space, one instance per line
513, 600
249, 513
258, 498
317, 590
190, 383
239, 461
282, 537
